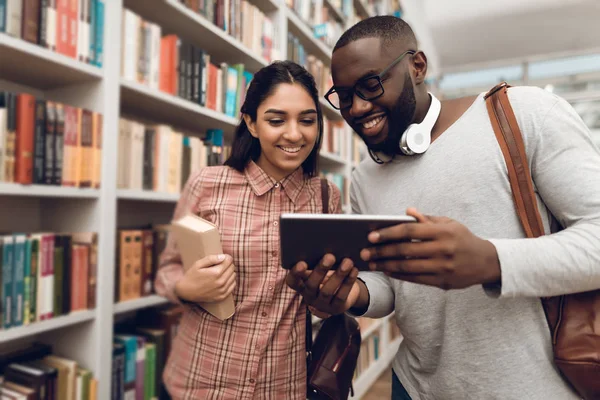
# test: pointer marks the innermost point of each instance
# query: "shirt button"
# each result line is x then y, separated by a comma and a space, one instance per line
264, 314
270, 287
277, 185
251, 380
275, 223
274, 253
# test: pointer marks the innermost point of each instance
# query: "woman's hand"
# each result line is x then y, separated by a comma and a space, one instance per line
210, 279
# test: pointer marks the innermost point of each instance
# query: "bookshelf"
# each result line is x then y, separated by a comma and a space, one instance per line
86, 335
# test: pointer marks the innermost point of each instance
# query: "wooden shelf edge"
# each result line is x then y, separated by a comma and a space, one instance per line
35, 328
147, 195
138, 304
17, 189
43, 53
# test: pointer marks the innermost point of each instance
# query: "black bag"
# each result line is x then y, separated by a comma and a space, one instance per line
332, 358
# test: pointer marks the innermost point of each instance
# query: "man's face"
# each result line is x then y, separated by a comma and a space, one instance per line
379, 122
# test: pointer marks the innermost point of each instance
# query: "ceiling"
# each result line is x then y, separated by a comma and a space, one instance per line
460, 34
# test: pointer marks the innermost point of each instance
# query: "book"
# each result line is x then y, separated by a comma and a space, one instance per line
196, 239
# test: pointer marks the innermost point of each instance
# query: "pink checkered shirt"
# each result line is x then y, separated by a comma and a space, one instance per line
260, 352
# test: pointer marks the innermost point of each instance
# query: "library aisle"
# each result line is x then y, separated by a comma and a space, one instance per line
106, 107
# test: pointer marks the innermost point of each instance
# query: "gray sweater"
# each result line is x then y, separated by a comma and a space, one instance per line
473, 343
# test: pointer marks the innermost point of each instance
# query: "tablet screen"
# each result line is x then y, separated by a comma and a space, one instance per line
308, 237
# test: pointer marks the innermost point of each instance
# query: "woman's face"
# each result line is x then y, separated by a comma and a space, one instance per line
287, 129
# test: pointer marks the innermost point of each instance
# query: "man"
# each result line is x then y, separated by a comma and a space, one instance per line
465, 288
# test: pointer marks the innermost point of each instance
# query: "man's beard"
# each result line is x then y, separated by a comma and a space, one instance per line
399, 119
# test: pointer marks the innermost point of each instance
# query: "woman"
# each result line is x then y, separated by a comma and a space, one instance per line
259, 353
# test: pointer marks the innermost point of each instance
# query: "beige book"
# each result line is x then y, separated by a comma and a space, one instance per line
66, 385
196, 239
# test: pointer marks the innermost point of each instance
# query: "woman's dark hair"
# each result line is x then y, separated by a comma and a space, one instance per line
246, 147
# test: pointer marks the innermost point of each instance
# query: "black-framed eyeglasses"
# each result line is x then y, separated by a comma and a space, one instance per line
368, 88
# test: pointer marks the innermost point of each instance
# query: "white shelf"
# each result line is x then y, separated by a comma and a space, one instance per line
312, 46
331, 159
328, 110
337, 13
366, 379
35, 66
138, 304
17, 189
372, 329
154, 104
147, 195
35, 328
175, 17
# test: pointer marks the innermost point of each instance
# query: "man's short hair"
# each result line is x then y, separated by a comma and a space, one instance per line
386, 27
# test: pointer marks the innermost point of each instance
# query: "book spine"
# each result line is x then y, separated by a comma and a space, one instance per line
7, 279
58, 260
27, 283
2, 15
52, 25
92, 273
39, 163
43, 24
18, 280
99, 33
25, 137
67, 271
14, 21
35, 243
59, 144
50, 139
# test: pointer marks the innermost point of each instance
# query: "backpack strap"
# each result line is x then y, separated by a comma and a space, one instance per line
511, 143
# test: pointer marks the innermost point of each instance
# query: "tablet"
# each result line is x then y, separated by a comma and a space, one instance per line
308, 237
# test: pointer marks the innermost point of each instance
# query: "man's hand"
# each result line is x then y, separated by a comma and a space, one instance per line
330, 292
435, 251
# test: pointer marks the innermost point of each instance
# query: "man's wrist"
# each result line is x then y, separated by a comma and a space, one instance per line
493, 274
361, 305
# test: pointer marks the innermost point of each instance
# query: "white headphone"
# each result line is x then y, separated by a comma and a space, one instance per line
417, 137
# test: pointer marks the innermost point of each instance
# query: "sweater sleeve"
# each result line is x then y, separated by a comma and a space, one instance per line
170, 267
565, 166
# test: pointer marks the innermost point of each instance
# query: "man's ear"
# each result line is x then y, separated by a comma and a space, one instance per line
420, 67
251, 125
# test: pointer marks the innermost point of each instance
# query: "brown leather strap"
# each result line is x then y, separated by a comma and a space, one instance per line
511, 143
325, 195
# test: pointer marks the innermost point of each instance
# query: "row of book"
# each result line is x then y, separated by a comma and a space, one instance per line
359, 149
161, 159
47, 142
336, 135
317, 68
141, 347
33, 372
178, 67
74, 28
137, 255
46, 275
370, 351
328, 29
242, 20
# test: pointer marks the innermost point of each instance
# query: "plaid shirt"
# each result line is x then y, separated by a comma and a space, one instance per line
260, 352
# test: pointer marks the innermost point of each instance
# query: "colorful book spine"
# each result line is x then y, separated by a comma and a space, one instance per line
7, 279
